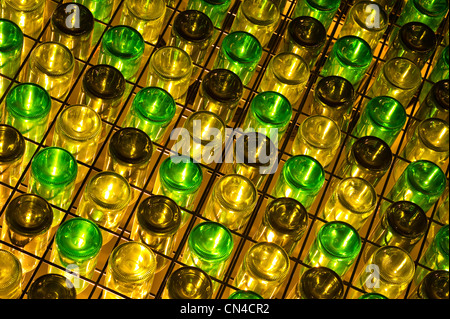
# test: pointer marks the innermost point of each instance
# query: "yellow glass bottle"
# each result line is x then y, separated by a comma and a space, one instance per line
10, 276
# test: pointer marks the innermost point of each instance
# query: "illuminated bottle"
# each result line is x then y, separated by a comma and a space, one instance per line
156, 224
10, 276
322, 10
428, 12
369, 158
52, 176
102, 89
101, 9
287, 74
11, 45
145, 16
240, 53
436, 103
350, 57
333, 97
73, 25
372, 295
216, 10
301, 178
129, 154
27, 221
387, 5
336, 246
131, 268
232, 201
209, 248
383, 117
353, 200
27, 14
122, 47
319, 137
270, 114
51, 65
284, 223
52, 286
263, 270
367, 20
105, 201
388, 272
433, 286
220, 93
318, 283
170, 68
306, 37
151, 111
257, 17
188, 283
179, 178
244, 294
76, 247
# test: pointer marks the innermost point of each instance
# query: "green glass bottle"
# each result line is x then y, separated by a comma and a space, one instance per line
301, 178
428, 12
372, 295
322, 10
52, 286
101, 9
216, 10
244, 294
11, 44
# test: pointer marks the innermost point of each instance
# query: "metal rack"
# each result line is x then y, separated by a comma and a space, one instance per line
243, 238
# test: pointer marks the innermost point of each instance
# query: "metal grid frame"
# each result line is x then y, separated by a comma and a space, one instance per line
243, 238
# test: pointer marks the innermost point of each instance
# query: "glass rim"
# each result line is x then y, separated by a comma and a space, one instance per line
275, 222
121, 79
325, 270
166, 165
168, 229
384, 166
192, 271
257, 108
204, 21
99, 201
440, 241
351, 38
140, 17
261, 23
73, 135
333, 144
249, 186
424, 11
135, 55
403, 252
11, 280
221, 98
297, 80
86, 27
229, 38
278, 276
317, 6
416, 210
400, 117
158, 71
347, 205
138, 104
311, 160
29, 86
434, 95
350, 229
394, 83
321, 30
426, 141
17, 31
14, 5
116, 142
52, 281
335, 78
59, 45
416, 185
382, 12
19, 151
406, 28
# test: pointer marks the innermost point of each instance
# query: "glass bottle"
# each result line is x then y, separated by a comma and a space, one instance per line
383, 117
179, 178
102, 89
254, 156
76, 248
428, 12
318, 283
156, 224
369, 158
433, 286
122, 47
105, 201
333, 97
244, 294
101, 9
422, 182
263, 270
129, 154
78, 130
209, 248
131, 268
387, 5
319, 137
350, 57
398, 78
193, 32
52, 176
322, 10
372, 296
216, 10
353, 201
436, 103
388, 272
52, 286
12, 149
146, 16
205, 138
188, 283
170, 68
11, 45
257, 17
269, 113
367, 20
301, 178
287, 74
51, 65
306, 37
336, 246
26, 224
10, 276
220, 93
414, 41
240, 53
27, 14
73, 26
151, 111
440, 70
284, 223
403, 224
232, 201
